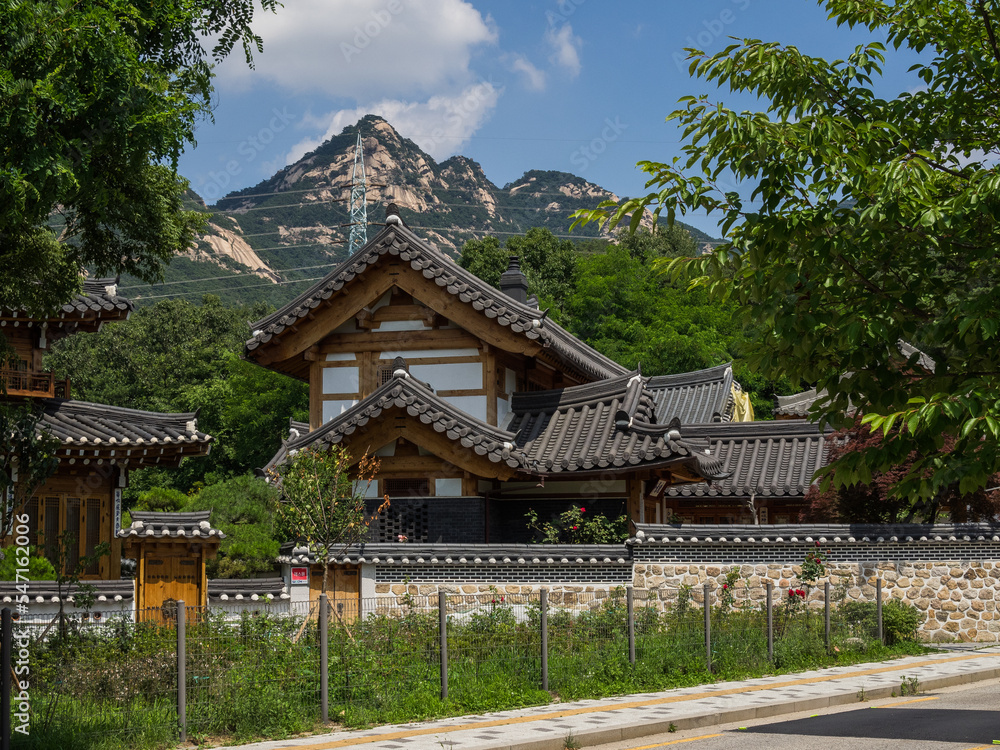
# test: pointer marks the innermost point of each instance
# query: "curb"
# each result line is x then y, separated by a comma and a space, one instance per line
718, 718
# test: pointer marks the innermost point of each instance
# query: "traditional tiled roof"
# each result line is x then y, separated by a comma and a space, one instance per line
399, 241
87, 430
485, 554
796, 405
409, 393
154, 525
83, 423
99, 295
766, 459
602, 426
242, 589
700, 396
812, 533
48, 591
598, 426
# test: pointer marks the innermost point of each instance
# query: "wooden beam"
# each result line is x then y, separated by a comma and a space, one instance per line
490, 382
380, 341
395, 423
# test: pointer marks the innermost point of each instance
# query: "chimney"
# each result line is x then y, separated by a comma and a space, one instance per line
513, 282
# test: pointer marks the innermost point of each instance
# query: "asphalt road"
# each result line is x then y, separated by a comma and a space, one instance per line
954, 719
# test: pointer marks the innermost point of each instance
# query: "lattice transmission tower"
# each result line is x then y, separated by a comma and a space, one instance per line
359, 201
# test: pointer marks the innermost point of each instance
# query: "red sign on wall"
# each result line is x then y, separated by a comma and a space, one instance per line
300, 575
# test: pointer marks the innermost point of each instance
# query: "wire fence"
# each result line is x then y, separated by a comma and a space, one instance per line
153, 675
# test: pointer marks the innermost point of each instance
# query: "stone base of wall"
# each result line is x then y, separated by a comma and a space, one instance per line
958, 599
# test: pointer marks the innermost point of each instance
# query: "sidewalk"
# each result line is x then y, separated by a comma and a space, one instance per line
593, 722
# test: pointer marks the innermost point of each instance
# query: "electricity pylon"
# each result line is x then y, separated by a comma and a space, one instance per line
359, 201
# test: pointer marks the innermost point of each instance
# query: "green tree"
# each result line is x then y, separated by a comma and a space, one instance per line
97, 100
243, 508
27, 460
180, 356
322, 505
548, 262
856, 222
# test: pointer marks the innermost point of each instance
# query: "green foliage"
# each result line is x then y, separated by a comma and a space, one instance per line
162, 500
180, 356
548, 262
574, 526
323, 499
244, 509
28, 455
97, 100
899, 620
813, 566
39, 568
874, 220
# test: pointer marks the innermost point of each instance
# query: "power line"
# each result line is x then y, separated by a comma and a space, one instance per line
224, 289
234, 275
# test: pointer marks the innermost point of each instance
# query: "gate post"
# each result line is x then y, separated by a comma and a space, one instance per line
324, 659
182, 669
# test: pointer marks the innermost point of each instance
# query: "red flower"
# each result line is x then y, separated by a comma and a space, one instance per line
503, 598
575, 528
725, 585
583, 510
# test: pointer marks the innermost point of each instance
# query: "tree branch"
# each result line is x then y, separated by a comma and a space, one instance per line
989, 29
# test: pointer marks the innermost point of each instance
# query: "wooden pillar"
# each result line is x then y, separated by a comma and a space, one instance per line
315, 396
636, 511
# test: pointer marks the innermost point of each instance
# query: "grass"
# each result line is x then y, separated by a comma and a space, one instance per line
258, 676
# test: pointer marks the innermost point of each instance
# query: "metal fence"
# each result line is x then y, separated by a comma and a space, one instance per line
193, 672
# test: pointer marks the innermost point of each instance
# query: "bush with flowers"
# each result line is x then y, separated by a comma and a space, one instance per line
577, 526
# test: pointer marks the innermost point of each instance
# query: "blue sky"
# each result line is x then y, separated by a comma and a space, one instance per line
579, 86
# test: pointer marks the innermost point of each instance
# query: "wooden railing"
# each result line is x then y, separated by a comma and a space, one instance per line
23, 382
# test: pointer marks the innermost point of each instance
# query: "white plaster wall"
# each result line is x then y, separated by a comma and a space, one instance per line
448, 487
370, 489
402, 325
389, 449
335, 408
451, 377
509, 380
340, 380
556, 488
503, 409
472, 405
340, 357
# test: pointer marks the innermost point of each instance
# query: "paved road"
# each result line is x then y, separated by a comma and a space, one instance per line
964, 718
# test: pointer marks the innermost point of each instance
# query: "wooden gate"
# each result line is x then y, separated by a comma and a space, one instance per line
343, 589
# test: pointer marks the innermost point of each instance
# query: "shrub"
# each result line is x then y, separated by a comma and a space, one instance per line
899, 621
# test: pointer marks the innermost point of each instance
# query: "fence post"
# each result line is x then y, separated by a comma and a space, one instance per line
878, 609
182, 669
630, 609
544, 612
770, 622
324, 658
7, 628
826, 613
708, 629
443, 628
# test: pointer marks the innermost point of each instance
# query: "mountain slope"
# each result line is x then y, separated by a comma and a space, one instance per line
294, 226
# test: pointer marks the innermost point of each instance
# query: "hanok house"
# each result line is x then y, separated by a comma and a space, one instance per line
99, 444
478, 405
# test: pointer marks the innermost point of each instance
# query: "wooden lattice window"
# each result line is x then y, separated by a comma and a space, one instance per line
57, 513
407, 519
406, 487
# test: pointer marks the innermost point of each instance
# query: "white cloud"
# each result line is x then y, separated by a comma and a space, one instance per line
533, 77
440, 125
361, 48
565, 47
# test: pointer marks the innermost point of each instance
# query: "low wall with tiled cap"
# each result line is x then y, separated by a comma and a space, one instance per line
949, 572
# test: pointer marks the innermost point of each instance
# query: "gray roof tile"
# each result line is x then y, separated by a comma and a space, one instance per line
700, 396
83, 424
154, 525
398, 241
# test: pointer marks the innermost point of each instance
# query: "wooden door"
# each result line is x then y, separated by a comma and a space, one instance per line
169, 579
343, 589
